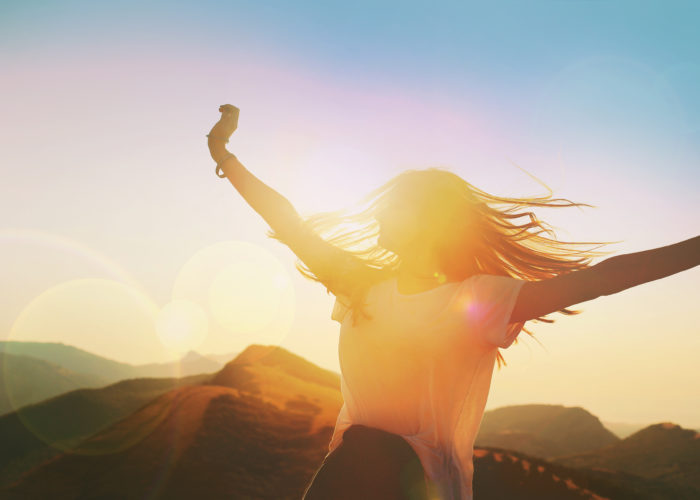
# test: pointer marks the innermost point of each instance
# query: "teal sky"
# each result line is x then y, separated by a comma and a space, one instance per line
112, 211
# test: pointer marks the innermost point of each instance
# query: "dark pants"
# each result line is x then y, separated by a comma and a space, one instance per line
369, 464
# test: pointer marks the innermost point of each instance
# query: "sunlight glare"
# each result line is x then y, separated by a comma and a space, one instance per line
182, 326
245, 291
245, 298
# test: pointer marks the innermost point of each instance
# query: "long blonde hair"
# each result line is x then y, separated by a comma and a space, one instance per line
470, 234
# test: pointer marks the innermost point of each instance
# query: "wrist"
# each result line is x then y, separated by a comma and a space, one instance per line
228, 158
218, 150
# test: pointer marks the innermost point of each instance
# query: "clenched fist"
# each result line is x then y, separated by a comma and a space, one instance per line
227, 124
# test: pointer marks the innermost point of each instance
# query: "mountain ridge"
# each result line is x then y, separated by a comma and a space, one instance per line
106, 369
543, 430
664, 451
261, 425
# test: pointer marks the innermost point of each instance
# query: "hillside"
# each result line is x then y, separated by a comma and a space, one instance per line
545, 431
41, 431
71, 358
265, 438
662, 451
505, 474
221, 358
193, 442
191, 363
259, 428
25, 380
108, 370
284, 360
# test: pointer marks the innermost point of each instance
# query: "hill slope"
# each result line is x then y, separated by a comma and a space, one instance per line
544, 431
71, 358
661, 451
264, 439
259, 429
41, 431
191, 363
109, 370
25, 380
505, 474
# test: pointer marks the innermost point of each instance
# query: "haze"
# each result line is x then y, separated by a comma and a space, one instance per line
116, 232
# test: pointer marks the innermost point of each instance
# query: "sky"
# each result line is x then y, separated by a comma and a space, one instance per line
117, 237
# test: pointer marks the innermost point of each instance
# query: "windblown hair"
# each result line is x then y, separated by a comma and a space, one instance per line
473, 232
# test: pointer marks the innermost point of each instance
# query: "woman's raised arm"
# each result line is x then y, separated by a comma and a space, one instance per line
613, 275
277, 210
325, 260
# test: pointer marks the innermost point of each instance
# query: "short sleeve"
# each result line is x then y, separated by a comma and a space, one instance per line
486, 301
340, 308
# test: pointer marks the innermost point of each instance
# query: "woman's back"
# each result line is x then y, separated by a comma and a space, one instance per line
421, 368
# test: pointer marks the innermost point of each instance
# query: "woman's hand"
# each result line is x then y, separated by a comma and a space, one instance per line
222, 130
228, 123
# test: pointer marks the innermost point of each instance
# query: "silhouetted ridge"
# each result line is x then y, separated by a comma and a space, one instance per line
107, 370
72, 358
232, 375
663, 432
43, 430
203, 441
545, 431
263, 428
506, 474
25, 380
663, 451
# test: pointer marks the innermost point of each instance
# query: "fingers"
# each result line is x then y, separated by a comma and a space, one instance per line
228, 108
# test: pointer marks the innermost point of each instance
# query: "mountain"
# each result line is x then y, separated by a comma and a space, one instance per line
38, 432
25, 380
545, 431
259, 428
191, 363
193, 442
505, 474
663, 451
221, 358
275, 359
108, 370
71, 358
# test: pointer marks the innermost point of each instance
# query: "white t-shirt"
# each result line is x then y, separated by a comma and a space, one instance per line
422, 368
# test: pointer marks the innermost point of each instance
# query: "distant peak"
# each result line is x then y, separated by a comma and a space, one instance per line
255, 352
191, 356
663, 431
275, 356
661, 426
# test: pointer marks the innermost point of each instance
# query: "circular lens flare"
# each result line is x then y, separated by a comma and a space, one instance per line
244, 289
182, 326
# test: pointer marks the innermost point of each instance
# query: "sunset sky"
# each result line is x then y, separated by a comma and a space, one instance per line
116, 232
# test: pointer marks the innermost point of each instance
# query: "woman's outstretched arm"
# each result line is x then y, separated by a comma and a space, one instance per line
612, 275
625, 271
325, 260
277, 210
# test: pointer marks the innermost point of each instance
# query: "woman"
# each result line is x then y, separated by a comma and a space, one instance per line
424, 311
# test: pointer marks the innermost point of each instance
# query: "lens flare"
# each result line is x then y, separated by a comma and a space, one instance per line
245, 291
182, 326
